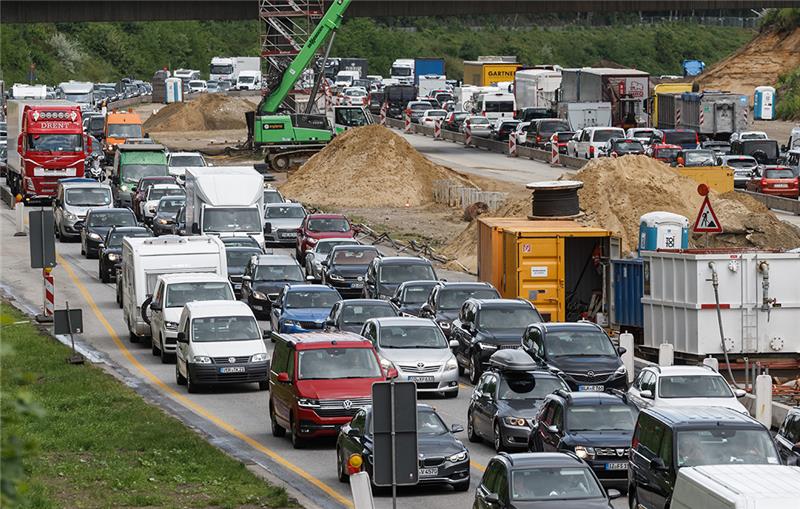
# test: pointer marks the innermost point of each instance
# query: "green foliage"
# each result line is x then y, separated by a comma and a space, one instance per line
782, 20
788, 92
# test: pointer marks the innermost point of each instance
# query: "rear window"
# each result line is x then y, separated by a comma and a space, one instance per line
741, 163
498, 106
680, 138
606, 134
551, 126
778, 174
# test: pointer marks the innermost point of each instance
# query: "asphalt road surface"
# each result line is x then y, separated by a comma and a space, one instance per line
233, 418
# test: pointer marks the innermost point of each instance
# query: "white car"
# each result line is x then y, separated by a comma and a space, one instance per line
643, 134
588, 142
154, 194
522, 133
172, 292
749, 135
681, 386
355, 96
429, 117
479, 125
198, 86
219, 342
177, 162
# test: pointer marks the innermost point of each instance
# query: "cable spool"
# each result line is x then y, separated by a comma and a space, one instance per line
556, 199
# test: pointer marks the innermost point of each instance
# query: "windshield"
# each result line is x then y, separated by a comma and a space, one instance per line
498, 106
453, 299
311, 298
554, 484
396, 274
156, 193
412, 336
115, 239
278, 273
242, 79
606, 134
171, 204
515, 317
178, 294
429, 423
693, 386
401, 71
88, 197
221, 69
565, 136
351, 116
357, 314
642, 133
354, 257
778, 174
552, 126
605, 417
115, 218
328, 225
515, 387
337, 363
225, 328
578, 342
285, 212
753, 136
124, 131
238, 259
680, 138
417, 294
725, 446
231, 220
134, 172
55, 142
699, 158
667, 153
79, 98
745, 164
272, 197
629, 146
193, 160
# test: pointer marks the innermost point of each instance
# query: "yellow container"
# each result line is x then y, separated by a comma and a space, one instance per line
666, 88
557, 265
718, 178
487, 73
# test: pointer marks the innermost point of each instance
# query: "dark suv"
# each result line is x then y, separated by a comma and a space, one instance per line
541, 130
581, 352
386, 274
110, 252
666, 439
485, 326
264, 277
788, 437
346, 267
597, 427
446, 299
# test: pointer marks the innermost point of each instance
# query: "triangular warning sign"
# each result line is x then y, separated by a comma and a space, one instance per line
707, 221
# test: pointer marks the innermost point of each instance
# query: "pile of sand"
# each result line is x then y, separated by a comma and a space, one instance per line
367, 167
617, 192
207, 112
760, 62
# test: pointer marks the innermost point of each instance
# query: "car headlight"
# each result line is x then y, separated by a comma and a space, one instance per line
312, 241
202, 359
95, 236
259, 296
112, 257
259, 357
515, 421
455, 458
69, 216
621, 371
335, 277
291, 323
486, 346
451, 364
123, 188
584, 452
161, 220
308, 403
444, 325
171, 325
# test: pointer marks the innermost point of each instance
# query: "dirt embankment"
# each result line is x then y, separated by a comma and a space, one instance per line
214, 112
367, 167
617, 192
758, 63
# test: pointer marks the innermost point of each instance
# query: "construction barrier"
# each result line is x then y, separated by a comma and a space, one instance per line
467, 134
437, 129
512, 144
384, 107
554, 154
49, 292
407, 127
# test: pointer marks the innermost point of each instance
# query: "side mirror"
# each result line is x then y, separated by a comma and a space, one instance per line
101, 246
283, 378
492, 498
613, 494
646, 394
657, 464
267, 227
456, 428
553, 428
247, 278
155, 306
621, 350
330, 323
739, 393
182, 337
391, 374
453, 343
426, 309
310, 278
273, 299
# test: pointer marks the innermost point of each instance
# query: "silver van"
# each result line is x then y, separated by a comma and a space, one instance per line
74, 197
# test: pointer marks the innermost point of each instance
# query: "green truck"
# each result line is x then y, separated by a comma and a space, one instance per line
132, 161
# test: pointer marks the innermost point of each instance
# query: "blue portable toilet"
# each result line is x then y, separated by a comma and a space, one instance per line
693, 67
663, 230
174, 90
764, 103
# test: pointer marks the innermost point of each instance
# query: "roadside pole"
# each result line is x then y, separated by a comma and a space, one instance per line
554, 154
383, 113
43, 256
19, 216
394, 426
467, 134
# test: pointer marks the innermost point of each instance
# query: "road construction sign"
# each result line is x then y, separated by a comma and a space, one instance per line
707, 221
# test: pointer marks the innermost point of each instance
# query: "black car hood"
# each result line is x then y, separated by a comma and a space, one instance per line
268, 287
617, 439
448, 316
349, 271
170, 216
501, 336
518, 407
411, 309
438, 445
100, 230
597, 503
581, 364
387, 289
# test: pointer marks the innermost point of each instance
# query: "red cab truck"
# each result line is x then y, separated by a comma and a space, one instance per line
50, 145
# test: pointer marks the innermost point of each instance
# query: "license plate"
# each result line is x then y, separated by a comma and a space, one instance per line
288, 235
428, 472
357, 285
232, 369
420, 379
591, 388
780, 186
237, 286
62, 172
617, 466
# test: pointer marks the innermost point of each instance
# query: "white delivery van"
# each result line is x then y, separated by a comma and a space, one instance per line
249, 80
163, 309
496, 105
225, 200
737, 487
219, 342
346, 79
146, 258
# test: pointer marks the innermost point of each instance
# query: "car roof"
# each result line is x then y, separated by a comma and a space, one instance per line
589, 398
115, 210
129, 229
501, 303
398, 260
185, 154
361, 302
165, 186
326, 216
418, 282
302, 287
464, 284
188, 277
273, 259
315, 340
283, 203
199, 309
84, 185
541, 459
701, 416
399, 321
554, 326
682, 370
254, 249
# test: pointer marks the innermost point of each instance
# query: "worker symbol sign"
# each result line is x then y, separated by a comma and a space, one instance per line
707, 221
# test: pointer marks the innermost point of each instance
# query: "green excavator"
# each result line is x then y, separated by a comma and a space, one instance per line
288, 137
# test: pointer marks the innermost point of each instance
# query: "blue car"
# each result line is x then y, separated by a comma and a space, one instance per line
302, 308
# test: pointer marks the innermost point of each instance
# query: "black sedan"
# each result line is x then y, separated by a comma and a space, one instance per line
166, 213
351, 315
618, 147
346, 268
238, 258
443, 459
110, 254
411, 296
446, 299
98, 223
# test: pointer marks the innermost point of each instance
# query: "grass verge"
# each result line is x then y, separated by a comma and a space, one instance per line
77, 437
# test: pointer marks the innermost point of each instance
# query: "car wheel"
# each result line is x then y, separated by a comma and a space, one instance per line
154, 348
462, 486
472, 435
451, 394
165, 357
474, 369
277, 429
340, 470
263, 386
297, 442
132, 336
190, 385
497, 438
179, 379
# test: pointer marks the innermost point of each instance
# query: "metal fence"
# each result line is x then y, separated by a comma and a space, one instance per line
454, 194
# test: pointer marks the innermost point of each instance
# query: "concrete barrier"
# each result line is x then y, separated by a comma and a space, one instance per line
5, 194
775, 202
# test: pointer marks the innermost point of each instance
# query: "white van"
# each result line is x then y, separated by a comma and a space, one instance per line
249, 80
219, 342
346, 79
737, 487
74, 197
497, 105
173, 291
146, 258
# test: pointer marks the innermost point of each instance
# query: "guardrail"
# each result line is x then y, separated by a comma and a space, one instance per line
776, 202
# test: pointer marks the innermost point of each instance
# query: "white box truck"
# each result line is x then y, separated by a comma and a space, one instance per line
536, 88
226, 201
146, 258
228, 68
737, 487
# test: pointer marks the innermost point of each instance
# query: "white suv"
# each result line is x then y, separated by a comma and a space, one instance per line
671, 386
588, 142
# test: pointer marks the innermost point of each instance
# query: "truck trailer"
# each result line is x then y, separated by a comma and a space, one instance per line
428, 67
626, 89
714, 115
536, 88
490, 72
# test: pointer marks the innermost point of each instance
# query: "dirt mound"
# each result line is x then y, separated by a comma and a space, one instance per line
760, 62
207, 112
369, 166
617, 192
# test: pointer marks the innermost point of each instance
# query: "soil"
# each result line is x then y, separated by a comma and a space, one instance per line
433, 224
760, 62
370, 166
207, 112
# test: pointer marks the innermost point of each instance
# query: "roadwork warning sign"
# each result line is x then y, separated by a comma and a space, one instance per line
707, 221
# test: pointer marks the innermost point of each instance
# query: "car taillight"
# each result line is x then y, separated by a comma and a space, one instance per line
763, 182
483, 113
591, 150
538, 139
514, 115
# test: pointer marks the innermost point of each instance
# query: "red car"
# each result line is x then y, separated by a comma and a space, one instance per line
321, 226
664, 152
775, 180
318, 381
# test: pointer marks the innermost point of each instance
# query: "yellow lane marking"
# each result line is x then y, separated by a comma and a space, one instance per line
198, 409
477, 466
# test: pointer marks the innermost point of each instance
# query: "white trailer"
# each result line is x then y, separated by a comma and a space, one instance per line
81, 92
427, 84
21, 91
225, 200
759, 301
536, 88
589, 114
228, 68
146, 258
737, 487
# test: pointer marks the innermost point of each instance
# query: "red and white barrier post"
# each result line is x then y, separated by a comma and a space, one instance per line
677, 116
49, 293
512, 144
407, 127
384, 107
554, 154
437, 129
467, 133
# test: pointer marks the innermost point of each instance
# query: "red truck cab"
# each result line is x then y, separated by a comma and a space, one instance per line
47, 144
318, 381
322, 226
775, 181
